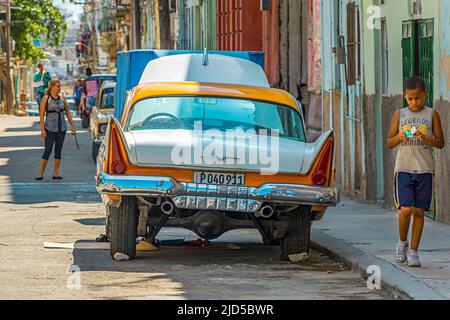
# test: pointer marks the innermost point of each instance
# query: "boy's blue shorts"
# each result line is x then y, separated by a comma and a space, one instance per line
413, 190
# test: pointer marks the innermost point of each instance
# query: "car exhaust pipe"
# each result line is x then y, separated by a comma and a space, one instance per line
167, 208
267, 212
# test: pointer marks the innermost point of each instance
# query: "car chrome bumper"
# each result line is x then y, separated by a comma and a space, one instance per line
214, 197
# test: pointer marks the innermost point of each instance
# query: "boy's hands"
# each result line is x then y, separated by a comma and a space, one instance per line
421, 136
402, 136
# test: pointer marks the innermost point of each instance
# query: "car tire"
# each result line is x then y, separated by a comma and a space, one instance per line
95, 149
84, 121
123, 221
298, 231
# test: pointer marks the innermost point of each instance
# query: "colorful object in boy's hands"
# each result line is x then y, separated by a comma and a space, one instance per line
410, 132
423, 129
407, 129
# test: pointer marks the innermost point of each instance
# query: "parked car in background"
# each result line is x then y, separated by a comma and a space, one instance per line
100, 114
146, 185
72, 106
32, 108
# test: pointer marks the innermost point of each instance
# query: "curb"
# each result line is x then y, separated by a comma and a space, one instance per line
400, 283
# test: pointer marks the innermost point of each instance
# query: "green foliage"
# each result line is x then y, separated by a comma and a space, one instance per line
36, 19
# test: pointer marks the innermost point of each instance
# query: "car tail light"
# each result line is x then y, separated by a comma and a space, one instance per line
118, 165
320, 175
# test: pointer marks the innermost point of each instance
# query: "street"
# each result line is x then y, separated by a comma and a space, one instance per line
236, 266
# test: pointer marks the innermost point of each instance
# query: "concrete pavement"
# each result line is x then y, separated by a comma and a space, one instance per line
21, 148
363, 235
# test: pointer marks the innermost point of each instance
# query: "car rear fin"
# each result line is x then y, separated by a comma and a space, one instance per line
314, 150
117, 150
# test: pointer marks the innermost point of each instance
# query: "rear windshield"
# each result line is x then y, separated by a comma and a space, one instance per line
182, 113
107, 101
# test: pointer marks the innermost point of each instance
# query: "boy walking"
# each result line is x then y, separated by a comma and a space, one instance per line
416, 130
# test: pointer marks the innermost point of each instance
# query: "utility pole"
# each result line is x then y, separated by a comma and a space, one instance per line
164, 24
8, 93
135, 32
95, 37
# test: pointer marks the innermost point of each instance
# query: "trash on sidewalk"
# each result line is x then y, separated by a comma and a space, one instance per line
121, 257
296, 258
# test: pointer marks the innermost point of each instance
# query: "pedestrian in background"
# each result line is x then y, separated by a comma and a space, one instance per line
90, 89
77, 91
416, 130
53, 126
89, 98
40, 82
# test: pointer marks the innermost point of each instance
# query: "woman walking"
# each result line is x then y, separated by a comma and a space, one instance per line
53, 126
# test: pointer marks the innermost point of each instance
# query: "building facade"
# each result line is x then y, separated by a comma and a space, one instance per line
369, 47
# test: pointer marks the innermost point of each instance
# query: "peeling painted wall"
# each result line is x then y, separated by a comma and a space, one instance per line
443, 107
444, 49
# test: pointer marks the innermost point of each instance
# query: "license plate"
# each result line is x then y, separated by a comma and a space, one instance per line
219, 178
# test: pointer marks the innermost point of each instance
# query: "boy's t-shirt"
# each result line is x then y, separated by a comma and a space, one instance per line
413, 155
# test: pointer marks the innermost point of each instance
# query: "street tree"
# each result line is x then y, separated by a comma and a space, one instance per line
36, 20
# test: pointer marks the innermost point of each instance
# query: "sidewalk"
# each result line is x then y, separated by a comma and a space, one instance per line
362, 235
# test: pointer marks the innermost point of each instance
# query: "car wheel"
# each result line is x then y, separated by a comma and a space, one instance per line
123, 221
275, 233
95, 149
297, 235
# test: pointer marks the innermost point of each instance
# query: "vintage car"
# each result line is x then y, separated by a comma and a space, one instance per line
190, 151
103, 109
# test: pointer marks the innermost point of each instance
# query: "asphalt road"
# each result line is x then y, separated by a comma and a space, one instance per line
236, 266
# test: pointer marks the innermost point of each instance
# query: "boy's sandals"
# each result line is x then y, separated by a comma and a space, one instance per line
57, 178
39, 178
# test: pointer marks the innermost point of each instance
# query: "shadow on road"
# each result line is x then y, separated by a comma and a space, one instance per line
21, 149
35, 126
235, 264
92, 221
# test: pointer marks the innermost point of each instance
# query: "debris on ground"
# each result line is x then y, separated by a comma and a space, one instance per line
121, 257
296, 258
102, 238
146, 246
172, 243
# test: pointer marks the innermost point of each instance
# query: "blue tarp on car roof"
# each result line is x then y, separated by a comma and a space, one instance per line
131, 65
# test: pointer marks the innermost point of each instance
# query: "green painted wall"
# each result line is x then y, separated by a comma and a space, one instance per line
395, 12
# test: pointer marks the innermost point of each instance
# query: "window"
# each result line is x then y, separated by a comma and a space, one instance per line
418, 57
172, 5
107, 99
181, 113
353, 44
